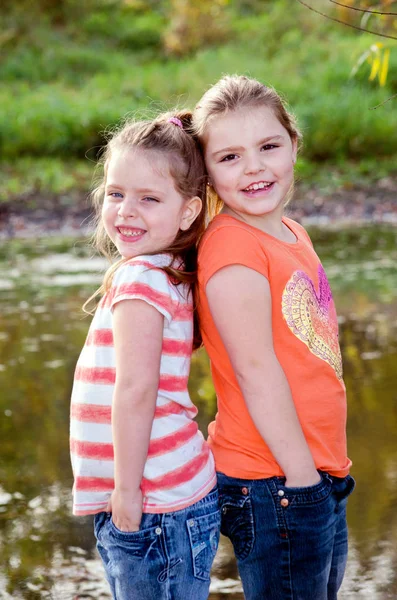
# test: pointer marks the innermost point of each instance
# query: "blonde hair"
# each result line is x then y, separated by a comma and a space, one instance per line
187, 169
231, 93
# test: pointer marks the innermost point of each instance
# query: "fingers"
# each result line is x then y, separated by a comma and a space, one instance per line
125, 525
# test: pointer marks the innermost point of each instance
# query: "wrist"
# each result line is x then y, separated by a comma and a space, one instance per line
303, 480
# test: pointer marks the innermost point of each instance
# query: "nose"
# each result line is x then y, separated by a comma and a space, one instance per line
254, 163
127, 208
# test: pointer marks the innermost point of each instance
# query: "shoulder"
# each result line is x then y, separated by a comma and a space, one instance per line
146, 269
143, 278
227, 230
227, 242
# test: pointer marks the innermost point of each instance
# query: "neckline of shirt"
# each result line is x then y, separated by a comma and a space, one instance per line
297, 244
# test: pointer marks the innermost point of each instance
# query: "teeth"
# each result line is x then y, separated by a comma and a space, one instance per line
129, 233
257, 186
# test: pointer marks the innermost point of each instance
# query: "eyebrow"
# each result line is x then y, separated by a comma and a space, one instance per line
237, 148
138, 191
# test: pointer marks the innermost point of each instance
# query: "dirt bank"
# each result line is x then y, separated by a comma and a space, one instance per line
70, 215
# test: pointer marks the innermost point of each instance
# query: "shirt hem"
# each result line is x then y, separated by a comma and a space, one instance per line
156, 509
254, 475
164, 508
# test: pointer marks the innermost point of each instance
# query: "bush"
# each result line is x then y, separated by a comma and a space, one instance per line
128, 29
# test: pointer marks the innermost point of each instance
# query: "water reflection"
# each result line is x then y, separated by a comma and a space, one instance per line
44, 550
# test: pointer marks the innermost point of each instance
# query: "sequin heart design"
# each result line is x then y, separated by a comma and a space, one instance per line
312, 318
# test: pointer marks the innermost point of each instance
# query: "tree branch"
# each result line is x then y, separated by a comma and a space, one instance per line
384, 102
384, 35
364, 10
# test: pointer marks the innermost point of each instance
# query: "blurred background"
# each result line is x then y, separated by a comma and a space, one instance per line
70, 69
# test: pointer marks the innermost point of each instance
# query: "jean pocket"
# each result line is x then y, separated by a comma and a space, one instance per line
237, 519
204, 534
135, 543
310, 495
99, 521
342, 488
139, 533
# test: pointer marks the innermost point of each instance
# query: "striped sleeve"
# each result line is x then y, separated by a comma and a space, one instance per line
141, 280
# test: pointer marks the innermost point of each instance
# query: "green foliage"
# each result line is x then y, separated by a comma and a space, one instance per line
65, 80
31, 177
344, 174
341, 125
126, 28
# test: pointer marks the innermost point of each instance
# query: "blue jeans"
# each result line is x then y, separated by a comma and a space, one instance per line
169, 558
290, 543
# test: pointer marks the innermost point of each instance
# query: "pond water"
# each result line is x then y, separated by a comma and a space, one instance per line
45, 552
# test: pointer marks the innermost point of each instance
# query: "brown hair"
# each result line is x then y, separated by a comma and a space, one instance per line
233, 92
187, 169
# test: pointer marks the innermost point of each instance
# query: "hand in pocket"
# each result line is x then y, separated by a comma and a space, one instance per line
126, 509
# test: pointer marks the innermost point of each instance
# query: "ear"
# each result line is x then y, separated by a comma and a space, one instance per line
191, 211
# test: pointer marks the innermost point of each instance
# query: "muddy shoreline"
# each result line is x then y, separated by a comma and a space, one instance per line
71, 215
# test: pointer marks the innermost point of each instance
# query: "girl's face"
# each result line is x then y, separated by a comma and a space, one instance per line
250, 160
142, 211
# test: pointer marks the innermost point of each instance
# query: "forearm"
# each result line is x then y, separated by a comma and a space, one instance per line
240, 301
270, 404
132, 419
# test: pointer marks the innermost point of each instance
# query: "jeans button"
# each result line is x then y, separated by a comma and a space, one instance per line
158, 530
244, 491
280, 492
284, 502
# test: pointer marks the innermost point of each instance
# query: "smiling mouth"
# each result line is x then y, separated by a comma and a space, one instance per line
261, 185
130, 233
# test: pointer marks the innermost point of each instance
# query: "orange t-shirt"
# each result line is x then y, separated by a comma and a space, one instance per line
305, 337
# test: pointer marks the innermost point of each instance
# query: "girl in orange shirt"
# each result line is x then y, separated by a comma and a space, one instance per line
269, 326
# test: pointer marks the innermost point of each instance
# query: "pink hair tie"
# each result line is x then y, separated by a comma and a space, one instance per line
176, 122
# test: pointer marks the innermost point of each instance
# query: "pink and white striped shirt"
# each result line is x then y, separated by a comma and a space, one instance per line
179, 468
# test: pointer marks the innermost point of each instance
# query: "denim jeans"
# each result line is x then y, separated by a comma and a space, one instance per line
169, 558
290, 543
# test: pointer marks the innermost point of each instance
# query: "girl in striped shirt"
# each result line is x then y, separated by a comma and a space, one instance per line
140, 464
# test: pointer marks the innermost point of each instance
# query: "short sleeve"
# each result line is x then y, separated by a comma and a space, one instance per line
230, 245
142, 280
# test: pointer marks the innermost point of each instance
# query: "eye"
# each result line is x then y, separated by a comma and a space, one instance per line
115, 194
228, 158
149, 199
269, 146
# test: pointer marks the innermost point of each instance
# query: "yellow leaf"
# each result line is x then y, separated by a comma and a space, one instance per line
385, 67
375, 68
